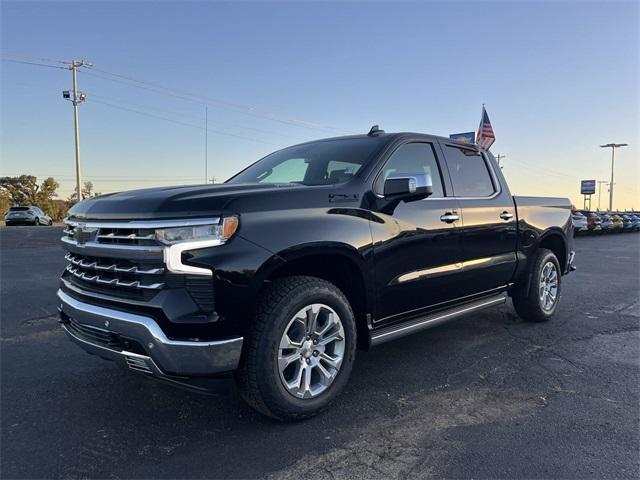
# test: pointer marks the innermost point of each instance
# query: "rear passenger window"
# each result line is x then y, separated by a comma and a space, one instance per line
413, 158
469, 173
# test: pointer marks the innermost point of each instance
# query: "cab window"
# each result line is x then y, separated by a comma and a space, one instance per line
413, 158
469, 173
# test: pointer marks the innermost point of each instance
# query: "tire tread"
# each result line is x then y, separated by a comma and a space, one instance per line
248, 379
528, 305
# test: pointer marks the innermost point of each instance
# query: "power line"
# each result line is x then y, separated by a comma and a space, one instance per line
542, 170
199, 127
242, 108
32, 57
247, 108
194, 117
33, 63
160, 89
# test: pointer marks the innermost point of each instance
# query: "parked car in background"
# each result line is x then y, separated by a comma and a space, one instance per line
593, 221
618, 224
606, 223
627, 222
27, 216
579, 222
635, 218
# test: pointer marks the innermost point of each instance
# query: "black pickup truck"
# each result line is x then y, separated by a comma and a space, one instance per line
279, 275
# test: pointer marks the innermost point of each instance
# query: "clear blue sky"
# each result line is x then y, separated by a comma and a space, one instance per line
558, 79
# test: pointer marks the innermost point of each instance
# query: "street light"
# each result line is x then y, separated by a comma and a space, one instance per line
613, 147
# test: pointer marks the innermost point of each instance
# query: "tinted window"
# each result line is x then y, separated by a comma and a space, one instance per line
469, 173
413, 158
316, 163
19, 209
341, 171
290, 170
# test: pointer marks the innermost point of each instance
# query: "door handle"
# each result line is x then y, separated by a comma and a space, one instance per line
506, 215
450, 217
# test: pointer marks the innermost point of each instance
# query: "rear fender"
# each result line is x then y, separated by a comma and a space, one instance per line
551, 238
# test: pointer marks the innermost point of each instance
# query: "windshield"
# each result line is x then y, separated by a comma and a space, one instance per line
324, 162
18, 209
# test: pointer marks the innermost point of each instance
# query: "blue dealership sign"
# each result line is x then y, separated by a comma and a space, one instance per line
587, 187
468, 137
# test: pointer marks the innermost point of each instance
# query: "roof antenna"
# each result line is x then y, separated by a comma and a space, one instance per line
375, 131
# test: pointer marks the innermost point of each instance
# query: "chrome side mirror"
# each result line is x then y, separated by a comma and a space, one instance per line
408, 186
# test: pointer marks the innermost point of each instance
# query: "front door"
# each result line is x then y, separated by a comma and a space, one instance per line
416, 246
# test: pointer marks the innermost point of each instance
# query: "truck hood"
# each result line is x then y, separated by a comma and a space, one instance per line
182, 201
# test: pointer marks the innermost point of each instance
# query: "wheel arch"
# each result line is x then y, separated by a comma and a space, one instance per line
340, 264
556, 241
553, 239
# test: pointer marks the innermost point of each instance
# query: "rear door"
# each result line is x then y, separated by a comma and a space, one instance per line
488, 229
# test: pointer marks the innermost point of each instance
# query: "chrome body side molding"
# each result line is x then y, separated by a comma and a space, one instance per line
453, 267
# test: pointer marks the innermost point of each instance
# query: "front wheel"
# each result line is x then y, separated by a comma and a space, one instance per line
540, 303
36, 222
300, 349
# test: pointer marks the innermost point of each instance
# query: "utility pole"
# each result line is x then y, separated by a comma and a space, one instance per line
613, 147
77, 98
206, 143
600, 182
498, 158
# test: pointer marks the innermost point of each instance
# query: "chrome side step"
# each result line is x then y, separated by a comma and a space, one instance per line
422, 323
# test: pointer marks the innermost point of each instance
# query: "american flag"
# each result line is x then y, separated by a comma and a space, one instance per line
486, 137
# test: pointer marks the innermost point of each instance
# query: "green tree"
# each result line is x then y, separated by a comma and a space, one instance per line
21, 190
24, 190
87, 192
5, 202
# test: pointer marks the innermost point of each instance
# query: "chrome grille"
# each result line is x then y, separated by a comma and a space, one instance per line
109, 265
123, 258
106, 271
127, 236
134, 234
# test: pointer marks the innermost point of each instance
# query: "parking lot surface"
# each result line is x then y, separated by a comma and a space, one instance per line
485, 396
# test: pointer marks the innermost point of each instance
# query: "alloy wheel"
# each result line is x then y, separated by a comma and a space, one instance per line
311, 351
548, 288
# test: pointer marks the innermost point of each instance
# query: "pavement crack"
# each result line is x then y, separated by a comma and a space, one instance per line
40, 319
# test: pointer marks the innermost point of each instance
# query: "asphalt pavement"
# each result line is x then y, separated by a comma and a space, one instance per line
487, 396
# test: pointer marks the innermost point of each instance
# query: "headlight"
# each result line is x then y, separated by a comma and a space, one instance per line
219, 231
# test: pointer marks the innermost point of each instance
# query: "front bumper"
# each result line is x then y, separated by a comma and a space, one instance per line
137, 342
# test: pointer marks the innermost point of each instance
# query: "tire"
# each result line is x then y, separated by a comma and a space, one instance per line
36, 222
50, 222
260, 379
531, 307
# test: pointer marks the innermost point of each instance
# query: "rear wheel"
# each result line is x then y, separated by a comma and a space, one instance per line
300, 350
540, 303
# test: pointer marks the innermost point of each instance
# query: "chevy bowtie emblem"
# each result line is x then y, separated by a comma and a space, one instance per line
82, 234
